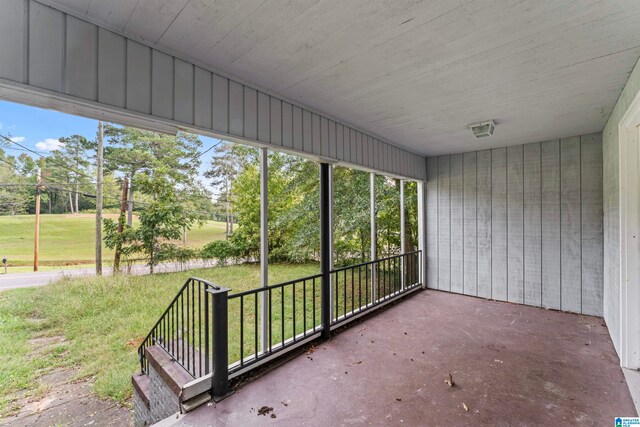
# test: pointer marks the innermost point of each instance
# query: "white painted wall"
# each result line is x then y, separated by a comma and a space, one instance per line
612, 206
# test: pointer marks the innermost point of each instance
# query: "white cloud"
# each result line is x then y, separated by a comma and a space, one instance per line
18, 138
49, 144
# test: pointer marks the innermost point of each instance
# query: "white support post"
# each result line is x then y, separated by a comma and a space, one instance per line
629, 245
402, 234
422, 238
331, 248
264, 247
372, 193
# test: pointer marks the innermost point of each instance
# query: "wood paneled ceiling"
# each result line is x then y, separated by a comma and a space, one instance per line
413, 72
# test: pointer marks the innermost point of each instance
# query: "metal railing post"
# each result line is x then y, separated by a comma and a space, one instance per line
325, 250
220, 344
207, 333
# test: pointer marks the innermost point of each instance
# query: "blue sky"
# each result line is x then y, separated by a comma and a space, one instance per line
40, 129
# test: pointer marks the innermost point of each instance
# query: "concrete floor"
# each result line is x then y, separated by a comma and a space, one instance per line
511, 364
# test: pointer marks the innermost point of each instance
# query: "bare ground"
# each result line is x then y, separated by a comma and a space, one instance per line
61, 399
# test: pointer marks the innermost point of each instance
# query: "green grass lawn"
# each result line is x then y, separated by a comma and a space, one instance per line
102, 321
70, 239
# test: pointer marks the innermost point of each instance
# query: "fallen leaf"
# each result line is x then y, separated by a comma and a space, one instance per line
449, 381
265, 410
466, 408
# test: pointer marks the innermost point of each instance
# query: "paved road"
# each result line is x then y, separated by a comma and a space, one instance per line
41, 278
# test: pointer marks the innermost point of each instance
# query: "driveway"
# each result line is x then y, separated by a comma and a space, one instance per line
41, 278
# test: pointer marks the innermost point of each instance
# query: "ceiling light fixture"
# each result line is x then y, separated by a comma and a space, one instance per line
483, 129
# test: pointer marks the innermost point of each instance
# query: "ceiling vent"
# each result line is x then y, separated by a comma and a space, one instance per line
483, 129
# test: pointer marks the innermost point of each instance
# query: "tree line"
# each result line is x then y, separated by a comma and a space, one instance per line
166, 193
294, 211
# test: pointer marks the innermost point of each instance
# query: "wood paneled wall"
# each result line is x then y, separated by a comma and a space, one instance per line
520, 224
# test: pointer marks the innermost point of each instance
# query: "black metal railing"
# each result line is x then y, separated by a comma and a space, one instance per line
183, 330
204, 328
361, 287
291, 313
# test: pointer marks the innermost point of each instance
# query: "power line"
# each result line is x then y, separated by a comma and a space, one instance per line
20, 149
207, 150
67, 167
10, 164
48, 158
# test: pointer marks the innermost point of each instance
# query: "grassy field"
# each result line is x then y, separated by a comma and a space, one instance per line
102, 321
67, 240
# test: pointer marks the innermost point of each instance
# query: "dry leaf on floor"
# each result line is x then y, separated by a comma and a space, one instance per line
450, 382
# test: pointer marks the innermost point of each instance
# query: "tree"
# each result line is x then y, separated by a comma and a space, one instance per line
14, 195
387, 215
161, 221
132, 151
352, 216
74, 154
223, 171
164, 169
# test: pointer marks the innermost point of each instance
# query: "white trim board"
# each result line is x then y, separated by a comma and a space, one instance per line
633, 382
629, 176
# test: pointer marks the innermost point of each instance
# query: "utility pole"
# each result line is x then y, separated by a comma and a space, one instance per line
36, 244
99, 183
123, 207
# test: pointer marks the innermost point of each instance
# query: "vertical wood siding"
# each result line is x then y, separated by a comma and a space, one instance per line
520, 224
470, 225
44, 48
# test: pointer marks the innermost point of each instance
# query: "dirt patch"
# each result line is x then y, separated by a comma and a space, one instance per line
135, 342
61, 398
43, 345
64, 401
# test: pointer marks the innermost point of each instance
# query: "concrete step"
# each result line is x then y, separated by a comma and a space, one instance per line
142, 387
193, 403
193, 360
170, 371
166, 389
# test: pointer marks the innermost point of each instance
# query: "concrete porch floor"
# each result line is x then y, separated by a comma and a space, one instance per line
511, 364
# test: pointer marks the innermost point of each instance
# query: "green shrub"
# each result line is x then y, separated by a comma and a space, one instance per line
221, 250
